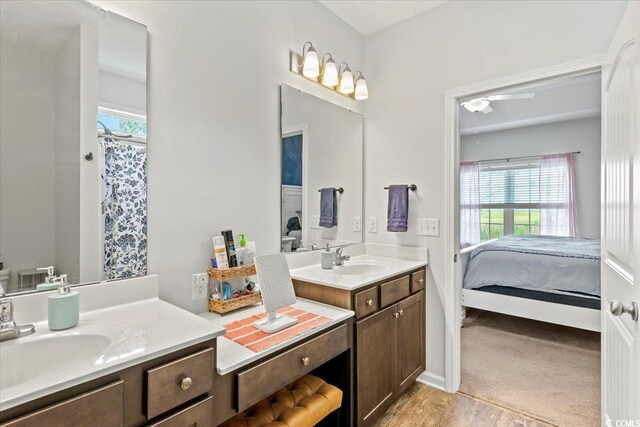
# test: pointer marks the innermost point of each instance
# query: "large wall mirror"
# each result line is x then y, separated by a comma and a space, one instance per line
321, 186
72, 145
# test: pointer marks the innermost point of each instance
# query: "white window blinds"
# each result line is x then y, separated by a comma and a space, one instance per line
510, 184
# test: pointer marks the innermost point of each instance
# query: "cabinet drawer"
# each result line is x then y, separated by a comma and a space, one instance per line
366, 302
176, 382
417, 281
197, 415
260, 381
103, 406
394, 291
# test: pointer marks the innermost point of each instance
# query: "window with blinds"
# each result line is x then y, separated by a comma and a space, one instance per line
509, 199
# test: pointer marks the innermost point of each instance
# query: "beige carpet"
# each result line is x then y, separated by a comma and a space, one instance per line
546, 371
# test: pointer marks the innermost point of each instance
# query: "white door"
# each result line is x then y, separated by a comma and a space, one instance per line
621, 225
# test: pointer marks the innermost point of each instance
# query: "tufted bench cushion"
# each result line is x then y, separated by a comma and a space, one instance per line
303, 403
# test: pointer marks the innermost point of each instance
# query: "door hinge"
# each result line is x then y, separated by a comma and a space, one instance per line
455, 257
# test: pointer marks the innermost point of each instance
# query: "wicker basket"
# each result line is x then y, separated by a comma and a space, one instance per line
221, 307
232, 273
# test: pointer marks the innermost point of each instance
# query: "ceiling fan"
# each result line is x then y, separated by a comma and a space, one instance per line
484, 104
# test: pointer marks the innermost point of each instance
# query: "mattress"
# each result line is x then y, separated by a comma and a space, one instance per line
551, 264
576, 300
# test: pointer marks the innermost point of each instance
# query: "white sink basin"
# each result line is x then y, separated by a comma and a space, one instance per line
361, 268
23, 359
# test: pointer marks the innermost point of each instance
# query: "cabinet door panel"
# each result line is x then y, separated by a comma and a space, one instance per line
376, 365
411, 340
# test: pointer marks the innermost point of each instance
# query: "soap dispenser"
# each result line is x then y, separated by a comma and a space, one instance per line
64, 307
326, 258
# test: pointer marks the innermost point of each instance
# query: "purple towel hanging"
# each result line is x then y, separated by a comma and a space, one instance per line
398, 208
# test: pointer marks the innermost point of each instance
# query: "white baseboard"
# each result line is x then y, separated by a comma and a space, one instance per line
432, 380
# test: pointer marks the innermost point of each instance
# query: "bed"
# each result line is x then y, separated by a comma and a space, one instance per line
548, 278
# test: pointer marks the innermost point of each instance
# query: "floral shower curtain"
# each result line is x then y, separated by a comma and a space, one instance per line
125, 210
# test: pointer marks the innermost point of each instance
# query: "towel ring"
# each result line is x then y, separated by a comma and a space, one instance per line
411, 187
339, 190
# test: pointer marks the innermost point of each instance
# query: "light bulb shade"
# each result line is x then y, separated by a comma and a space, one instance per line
476, 105
346, 82
362, 92
330, 74
311, 66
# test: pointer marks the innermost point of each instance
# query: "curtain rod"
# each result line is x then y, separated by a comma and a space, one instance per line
508, 159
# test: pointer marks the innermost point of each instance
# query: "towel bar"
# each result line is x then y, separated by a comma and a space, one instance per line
339, 190
412, 187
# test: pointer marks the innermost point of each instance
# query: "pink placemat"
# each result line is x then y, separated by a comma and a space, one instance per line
244, 333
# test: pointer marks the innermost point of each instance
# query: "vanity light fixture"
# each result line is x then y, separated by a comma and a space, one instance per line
346, 80
361, 92
329, 71
322, 69
310, 64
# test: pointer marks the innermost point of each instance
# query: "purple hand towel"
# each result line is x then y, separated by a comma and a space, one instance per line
328, 208
398, 208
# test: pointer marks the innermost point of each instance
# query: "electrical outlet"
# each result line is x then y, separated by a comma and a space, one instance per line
428, 227
314, 221
199, 283
357, 223
372, 224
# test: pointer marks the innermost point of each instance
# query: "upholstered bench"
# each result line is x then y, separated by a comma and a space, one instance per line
303, 403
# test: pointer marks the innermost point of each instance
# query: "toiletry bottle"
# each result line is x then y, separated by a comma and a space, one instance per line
231, 247
226, 291
250, 253
64, 307
220, 253
241, 251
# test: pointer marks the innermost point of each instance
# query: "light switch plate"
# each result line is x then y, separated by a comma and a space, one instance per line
199, 283
372, 224
314, 221
357, 223
428, 227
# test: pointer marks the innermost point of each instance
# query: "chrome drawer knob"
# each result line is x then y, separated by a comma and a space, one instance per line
421, 281
396, 314
305, 361
401, 312
186, 383
618, 309
369, 302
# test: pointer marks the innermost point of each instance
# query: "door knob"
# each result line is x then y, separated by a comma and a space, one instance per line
396, 314
401, 312
618, 309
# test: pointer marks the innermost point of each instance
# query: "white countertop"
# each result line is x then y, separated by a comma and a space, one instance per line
382, 268
138, 331
232, 356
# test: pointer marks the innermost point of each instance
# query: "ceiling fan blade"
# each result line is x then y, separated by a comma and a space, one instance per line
487, 110
510, 96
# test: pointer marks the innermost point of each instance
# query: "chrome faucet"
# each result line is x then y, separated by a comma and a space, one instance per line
338, 258
8, 328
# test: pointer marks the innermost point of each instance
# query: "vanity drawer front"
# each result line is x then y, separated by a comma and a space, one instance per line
366, 302
270, 376
417, 281
176, 382
197, 415
394, 291
103, 406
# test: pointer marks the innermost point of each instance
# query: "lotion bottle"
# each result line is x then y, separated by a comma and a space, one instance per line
64, 307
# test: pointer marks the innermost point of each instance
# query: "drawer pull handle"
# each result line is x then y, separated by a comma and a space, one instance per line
186, 383
421, 281
369, 302
401, 312
396, 314
305, 361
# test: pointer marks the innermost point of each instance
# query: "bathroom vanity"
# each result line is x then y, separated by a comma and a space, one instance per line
132, 360
387, 296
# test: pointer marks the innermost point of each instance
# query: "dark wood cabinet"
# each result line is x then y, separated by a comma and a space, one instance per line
411, 340
376, 364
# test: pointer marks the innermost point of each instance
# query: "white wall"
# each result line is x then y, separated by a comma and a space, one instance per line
563, 137
333, 150
215, 70
409, 67
26, 160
